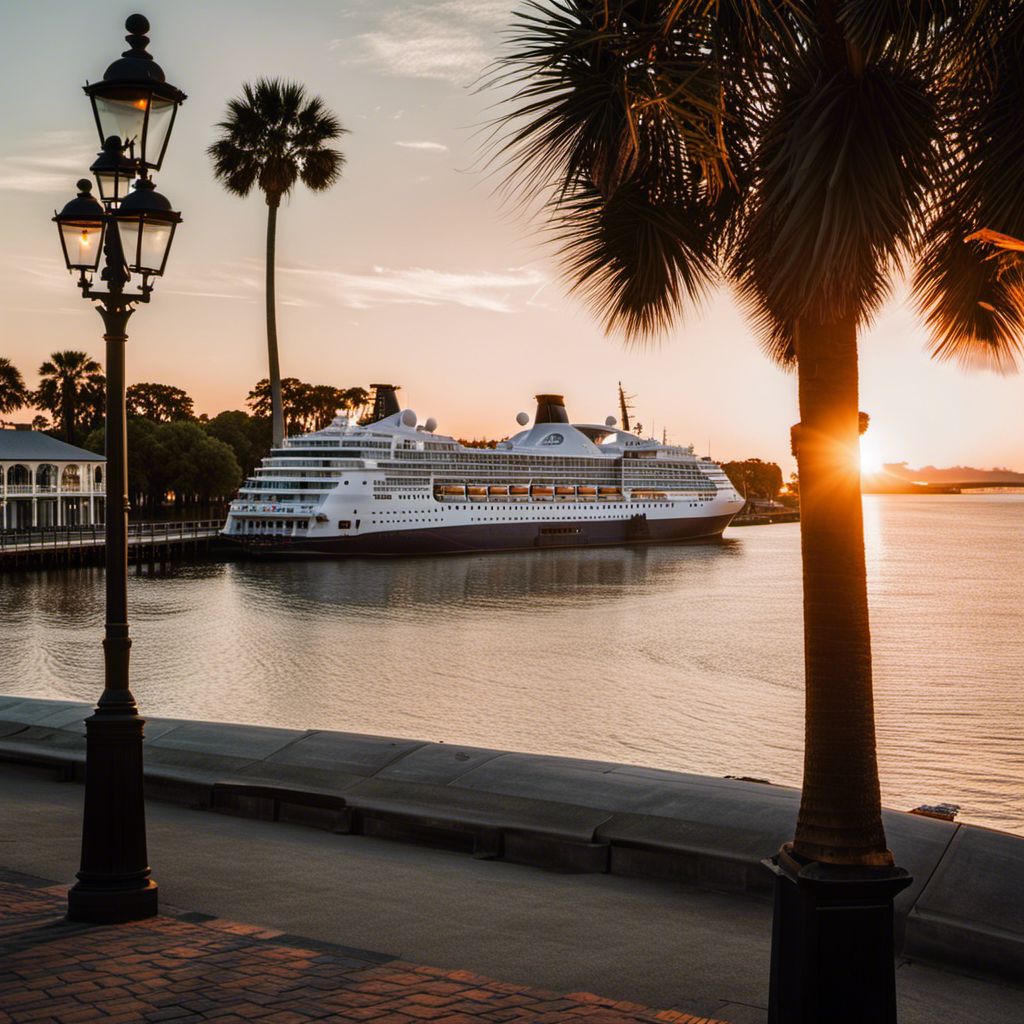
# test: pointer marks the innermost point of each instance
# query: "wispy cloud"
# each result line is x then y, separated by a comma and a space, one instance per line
450, 40
54, 162
237, 279
435, 147
505, 291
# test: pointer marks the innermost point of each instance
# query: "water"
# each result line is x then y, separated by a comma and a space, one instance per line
687, 658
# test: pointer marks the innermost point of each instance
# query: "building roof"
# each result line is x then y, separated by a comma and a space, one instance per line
31, 446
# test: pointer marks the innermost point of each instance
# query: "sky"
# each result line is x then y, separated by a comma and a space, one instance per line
413, 269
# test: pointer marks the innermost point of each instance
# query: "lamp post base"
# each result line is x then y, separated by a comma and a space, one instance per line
114, 884
94, 903
832, 942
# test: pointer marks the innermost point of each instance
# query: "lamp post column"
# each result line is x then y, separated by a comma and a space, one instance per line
134, 108
114, 882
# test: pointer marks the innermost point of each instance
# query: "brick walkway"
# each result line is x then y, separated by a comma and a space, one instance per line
192, 967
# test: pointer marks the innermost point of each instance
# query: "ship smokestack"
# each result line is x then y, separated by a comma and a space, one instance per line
385, 401
551, 409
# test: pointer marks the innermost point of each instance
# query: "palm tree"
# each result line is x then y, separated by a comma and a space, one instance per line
273, 137
71, 390
809, 153
13, 393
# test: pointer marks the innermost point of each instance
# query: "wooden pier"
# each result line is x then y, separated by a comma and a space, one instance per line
148, 544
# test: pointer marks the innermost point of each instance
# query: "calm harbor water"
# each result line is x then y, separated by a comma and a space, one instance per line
687, 658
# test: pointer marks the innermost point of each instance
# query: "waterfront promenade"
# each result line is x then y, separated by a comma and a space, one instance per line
315, 908
698, 949
184, 967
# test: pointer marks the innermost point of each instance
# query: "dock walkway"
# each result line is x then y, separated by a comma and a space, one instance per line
84, 545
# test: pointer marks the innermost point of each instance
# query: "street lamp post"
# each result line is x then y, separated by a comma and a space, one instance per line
134, 108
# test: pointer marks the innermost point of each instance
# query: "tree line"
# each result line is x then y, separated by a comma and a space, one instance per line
171, 451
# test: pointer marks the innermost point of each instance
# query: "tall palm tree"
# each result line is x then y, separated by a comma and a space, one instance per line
809, 152
274, 136
13, 393
68, 388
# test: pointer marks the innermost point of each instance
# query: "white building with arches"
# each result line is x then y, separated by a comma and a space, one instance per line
46, 482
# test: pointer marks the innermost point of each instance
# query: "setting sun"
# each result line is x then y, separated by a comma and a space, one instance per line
871, 456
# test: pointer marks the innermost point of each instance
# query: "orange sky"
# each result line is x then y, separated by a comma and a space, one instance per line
410, 270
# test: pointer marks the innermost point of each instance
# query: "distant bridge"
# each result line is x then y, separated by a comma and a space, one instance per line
1012, 487
84, 545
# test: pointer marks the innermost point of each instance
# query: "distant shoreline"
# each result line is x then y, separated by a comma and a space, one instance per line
967, 487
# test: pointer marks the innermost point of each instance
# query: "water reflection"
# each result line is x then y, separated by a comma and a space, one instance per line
521, 580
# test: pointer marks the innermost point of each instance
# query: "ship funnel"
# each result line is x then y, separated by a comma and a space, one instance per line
385, 401
551, 409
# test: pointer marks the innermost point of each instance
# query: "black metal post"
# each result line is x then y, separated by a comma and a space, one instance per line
832, 942
114, 883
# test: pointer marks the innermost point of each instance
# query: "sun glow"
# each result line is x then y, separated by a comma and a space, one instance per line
871, 457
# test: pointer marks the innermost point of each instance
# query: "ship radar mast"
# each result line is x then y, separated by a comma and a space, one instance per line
625, 407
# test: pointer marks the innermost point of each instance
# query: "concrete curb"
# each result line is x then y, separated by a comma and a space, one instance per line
965, 907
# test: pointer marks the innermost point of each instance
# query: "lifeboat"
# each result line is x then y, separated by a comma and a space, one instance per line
542, 492
497, 489
477, 493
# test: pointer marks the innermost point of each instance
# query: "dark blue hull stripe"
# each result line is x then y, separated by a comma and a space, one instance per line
489, 537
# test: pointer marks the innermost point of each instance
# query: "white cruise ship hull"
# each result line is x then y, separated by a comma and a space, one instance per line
393, 487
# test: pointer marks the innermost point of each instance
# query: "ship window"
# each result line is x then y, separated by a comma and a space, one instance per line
344, 524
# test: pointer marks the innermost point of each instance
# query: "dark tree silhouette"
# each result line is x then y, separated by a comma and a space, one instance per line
71, 390
159, 402
13, 393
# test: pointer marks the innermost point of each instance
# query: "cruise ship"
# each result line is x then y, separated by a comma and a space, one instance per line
394, 486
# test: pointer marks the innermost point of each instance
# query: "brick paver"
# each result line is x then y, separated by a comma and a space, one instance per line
192, 968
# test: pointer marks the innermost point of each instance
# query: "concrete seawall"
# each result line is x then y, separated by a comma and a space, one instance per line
965, 907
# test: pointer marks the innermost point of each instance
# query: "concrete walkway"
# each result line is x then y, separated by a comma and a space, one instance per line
696, 952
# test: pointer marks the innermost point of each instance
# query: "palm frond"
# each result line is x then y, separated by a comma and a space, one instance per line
273, 136
973, 299
842, 172
894, 28
621, 128
635, 260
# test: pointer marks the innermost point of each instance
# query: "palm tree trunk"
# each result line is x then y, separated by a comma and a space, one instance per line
67, 412
840, 811
276, 408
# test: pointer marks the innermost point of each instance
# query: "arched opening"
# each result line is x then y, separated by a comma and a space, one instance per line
19, 476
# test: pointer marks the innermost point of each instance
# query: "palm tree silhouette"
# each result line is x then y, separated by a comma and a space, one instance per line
274, 136
807, 153
13, 393
69, 388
